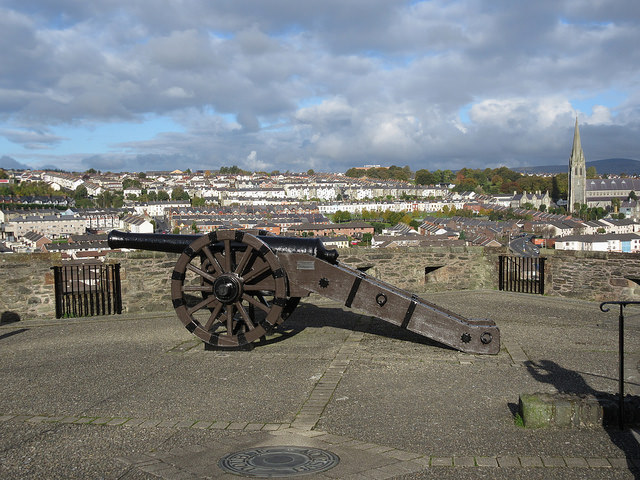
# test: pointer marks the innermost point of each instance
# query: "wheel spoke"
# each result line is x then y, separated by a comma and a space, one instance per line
204, 303
197, 288
248, 253
215, 264
256, 303
230, 320
213, 317
251, 275
201, 272
245, 316
227, 255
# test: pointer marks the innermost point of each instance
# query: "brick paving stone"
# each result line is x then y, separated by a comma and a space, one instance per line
352, 443
598, 462
114, 422
83, 420
576, 462
306, 418
168, 423
464, 462
424, 461
54, 419
365, 446
406, 467
379, 474
271, 426
442, 461
531, 461
21, 418
311, 433
134, 422
138, 459
4, 418
237, 426
254, 426
38, 419
401, 455
156, 468
487, 461
379, 449
334, 439
177, 474
184, 424
553, 462
619, 462
508, 461
150, 423
69, 419
102, 420
355, 476
202, 424
219, 425
316, 411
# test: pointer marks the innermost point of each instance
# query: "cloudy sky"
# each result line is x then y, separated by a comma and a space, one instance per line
330, 84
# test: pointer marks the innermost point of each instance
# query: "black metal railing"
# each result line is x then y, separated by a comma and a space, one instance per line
87, 289
605, 308
521, 274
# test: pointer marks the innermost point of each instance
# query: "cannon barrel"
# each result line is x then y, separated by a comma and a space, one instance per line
172, 243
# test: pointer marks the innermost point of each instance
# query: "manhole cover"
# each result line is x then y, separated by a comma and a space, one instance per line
266, 462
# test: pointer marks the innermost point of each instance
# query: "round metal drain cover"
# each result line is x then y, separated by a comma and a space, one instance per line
273, 462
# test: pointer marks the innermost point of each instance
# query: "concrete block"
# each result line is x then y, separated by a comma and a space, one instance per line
563, 413
536, 411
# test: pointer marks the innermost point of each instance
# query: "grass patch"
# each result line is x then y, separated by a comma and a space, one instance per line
518, 420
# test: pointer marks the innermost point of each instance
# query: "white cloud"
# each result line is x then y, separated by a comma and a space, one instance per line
379, 80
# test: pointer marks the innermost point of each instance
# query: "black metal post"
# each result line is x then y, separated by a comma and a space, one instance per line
620, 356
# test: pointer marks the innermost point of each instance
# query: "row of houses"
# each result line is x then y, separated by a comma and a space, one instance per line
612, 242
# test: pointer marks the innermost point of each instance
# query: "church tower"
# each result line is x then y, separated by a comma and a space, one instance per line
577, 173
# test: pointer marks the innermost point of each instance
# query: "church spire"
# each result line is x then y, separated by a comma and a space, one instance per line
577, 146
577, 174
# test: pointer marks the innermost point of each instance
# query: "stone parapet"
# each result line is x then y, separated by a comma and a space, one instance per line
28, 290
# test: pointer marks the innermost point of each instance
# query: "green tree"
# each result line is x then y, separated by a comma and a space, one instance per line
163, 196
615, 204
591, 172
178, 193
197, 201
341, 216
632, 196
425, 177
131, 183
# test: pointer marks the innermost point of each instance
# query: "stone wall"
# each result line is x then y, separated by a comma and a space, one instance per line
26, 281
594, 276
432, 269
28, 290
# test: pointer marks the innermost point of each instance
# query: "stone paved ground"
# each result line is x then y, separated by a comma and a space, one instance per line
136, 397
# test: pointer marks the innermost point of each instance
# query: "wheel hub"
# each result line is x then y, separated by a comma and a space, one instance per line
227, 288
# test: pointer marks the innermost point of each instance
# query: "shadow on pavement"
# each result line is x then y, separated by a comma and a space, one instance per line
312, 316
569, 381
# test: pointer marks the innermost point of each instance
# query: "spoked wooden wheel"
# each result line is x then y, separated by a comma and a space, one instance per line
242, 285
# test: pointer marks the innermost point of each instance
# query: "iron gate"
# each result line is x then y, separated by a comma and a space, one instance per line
521, 274
87, 289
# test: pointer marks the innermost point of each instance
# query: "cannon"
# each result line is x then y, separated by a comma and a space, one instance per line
230, 288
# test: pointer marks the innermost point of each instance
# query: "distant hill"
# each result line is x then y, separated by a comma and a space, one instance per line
613, 166
12, 164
